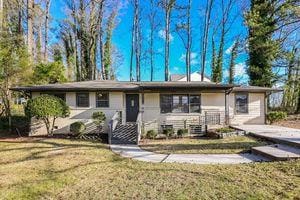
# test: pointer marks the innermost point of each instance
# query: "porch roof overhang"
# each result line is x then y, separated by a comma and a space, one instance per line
125, 86
256, 89
183, 86
81, 86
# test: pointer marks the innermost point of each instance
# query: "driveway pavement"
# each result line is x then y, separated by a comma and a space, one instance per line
276, 133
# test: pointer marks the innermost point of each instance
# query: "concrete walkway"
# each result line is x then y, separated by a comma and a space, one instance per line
275, 133
136, 153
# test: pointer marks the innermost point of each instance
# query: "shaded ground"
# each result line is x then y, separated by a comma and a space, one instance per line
235, 144
65, 169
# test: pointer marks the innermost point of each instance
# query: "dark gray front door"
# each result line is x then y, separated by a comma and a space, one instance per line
132, 107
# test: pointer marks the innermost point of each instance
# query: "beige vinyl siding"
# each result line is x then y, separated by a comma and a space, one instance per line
151, 110
213, 101
256, 110
81, 114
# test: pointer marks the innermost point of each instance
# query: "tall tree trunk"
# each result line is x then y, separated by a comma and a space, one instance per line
92, 44
101, 46
20, 21
167, 41
137, 39
48, 5
152, 19
132, 49
108, 44
189, 42
1, 15
30, 18
298, 85
213, 61
233, 56
39, 43
76, 49
203, 45
219, 66
151, 51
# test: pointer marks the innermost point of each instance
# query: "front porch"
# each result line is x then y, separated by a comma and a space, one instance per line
157, 110
131, 132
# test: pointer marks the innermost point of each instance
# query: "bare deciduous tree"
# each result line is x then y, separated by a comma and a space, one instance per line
167, 6
154, 24
30, 18
47, 16
204, 40
185, 33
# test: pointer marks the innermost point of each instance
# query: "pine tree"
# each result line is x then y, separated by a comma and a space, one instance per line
108, 44
262, 48
234, 53
213, 62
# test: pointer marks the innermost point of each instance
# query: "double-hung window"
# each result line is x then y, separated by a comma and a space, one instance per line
102, 99
241, 103
82, 99
166, 103
195, 104
180, 103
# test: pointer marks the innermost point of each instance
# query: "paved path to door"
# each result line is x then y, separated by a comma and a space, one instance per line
136, 153
276, 133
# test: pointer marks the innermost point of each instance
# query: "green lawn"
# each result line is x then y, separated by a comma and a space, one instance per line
66, 169
235, 144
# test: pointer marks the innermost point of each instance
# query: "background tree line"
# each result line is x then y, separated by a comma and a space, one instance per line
81, 46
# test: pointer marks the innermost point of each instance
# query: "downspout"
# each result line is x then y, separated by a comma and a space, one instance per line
267, 94
227, 92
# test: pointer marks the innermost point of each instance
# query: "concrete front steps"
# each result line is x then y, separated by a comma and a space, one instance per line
277, 152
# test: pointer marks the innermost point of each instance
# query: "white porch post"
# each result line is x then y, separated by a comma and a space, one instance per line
227, 107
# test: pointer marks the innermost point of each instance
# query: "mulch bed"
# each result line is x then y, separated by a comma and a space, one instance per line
292, 121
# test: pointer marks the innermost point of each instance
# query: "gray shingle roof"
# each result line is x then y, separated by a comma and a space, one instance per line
83, 85
255, 89
135, 86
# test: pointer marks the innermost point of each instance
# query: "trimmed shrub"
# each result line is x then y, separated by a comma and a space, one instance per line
168, 132
275, 116
182, 132
47, 108
98, 117
151, 134
225, 130
22, 123
77, 128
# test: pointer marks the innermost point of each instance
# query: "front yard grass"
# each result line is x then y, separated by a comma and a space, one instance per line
235, 144
68, 169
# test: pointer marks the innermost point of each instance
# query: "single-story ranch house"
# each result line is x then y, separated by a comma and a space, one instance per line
131, 107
